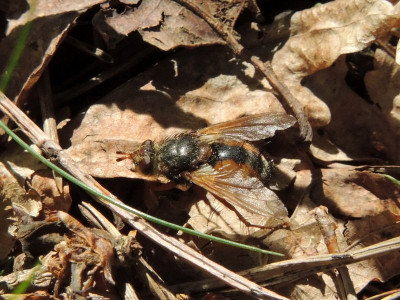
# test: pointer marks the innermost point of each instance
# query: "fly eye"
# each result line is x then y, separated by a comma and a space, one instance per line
145, 164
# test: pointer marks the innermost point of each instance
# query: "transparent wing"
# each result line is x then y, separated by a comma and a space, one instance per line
250, 128
236, 187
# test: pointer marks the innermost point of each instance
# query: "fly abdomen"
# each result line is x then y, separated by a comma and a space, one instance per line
241, 155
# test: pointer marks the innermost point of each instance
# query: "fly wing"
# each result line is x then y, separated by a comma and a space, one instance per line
250, 128
237, 188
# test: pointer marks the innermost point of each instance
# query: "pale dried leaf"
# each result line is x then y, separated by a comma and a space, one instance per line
27, 187
18, 167
358, 194
320, 35
303, 238
350, 131
235, 259
213, 216
324, 150
283, 173
46, 8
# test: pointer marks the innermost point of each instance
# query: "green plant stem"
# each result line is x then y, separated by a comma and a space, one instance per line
392, 179
145, 216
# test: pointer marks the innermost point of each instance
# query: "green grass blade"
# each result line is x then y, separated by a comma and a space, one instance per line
17, 52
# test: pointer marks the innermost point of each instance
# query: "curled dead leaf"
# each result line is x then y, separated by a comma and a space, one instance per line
350, 134
319, 35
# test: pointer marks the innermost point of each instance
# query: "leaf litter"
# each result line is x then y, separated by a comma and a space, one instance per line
203, 84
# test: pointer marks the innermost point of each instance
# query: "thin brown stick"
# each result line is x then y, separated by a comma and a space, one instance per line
49, 120
298, 268
328, 229
52, 149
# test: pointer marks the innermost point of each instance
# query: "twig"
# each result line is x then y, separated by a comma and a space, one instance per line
328, 230
54, 151
49, 120
295, 269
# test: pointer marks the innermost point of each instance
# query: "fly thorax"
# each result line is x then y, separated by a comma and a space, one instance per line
180, 154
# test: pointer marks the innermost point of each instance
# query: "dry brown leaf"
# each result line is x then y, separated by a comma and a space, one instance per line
368, 231
319, 286
46, 33
213, 217
43, 185
323, 149
283, 173
319, 35
397, 58
159, 104
356, 194
166, 24
383, 85
46, 8
18, 167
302, 238
350, 134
